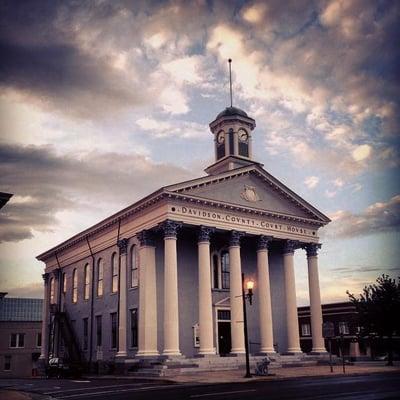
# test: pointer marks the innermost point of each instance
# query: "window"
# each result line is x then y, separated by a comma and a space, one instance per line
85, 333
113, 330
74, 286
225, 270
305, 330
7, 363
134, 267
100, 271
39, 339
52, 291
64, 283
17, 340
215, 272
196, 335
87, 282
114, 269
220, 144
134, 328
224, 315
343, 328
99, 337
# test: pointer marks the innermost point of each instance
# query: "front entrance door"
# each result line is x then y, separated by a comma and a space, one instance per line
224, 338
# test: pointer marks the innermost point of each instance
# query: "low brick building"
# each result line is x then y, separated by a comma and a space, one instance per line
20, 336
346, 329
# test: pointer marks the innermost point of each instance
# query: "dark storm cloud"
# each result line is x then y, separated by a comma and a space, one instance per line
44, 183
43, 60
377, 218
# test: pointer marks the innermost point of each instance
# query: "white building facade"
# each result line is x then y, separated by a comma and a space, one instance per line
163, 277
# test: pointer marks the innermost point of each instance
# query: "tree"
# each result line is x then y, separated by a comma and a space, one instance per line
378, 309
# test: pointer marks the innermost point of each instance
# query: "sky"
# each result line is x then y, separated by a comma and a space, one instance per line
103, 102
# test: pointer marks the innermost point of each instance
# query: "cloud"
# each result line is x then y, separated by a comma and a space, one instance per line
311, 181
162, 129
362, 152
378, 217
46, 184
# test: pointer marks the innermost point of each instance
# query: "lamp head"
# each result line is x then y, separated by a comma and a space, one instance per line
250, 284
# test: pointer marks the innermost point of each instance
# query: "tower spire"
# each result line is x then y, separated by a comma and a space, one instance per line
230, 78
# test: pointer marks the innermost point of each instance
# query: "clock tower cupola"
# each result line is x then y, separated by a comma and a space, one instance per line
232, 129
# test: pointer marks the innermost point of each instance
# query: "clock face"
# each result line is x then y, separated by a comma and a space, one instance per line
243, 135
221, 137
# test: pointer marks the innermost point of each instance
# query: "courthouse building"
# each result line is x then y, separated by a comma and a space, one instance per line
162, 278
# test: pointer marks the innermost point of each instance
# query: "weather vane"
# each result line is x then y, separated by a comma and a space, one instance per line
230, 78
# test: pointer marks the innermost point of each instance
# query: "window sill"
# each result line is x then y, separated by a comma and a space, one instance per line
134, 287
220, 290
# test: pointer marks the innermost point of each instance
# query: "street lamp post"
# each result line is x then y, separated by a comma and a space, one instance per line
249, 296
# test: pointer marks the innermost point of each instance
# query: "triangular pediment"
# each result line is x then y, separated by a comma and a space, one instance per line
250, 187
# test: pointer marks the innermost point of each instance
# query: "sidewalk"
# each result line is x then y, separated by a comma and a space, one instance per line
281, 373
13, 395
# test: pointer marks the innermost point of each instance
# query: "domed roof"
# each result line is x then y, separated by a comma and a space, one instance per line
229, 111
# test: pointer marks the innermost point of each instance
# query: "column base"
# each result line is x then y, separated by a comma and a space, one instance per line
206, 352
171, 353
147, 353
267, 350
238, 351
316, 352
121, 354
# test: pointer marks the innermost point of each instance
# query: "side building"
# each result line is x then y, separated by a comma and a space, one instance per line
347, 333
20, 336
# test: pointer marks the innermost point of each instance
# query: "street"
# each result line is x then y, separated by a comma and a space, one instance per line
366, 387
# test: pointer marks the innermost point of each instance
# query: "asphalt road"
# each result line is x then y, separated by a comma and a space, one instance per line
365, 387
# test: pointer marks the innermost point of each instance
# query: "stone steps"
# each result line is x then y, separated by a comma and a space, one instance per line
178, 365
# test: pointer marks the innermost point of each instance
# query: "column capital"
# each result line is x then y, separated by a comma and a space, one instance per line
263, 242
312, 249
204, 233
289, 246
45, 277
170, 228
146, 238
123, 245
235, 237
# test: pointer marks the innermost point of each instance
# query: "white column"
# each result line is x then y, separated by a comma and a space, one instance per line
122, 326
44, 351
171, 309
318, 343
290, 296
237, 329
264, 296
147, 340
205, 297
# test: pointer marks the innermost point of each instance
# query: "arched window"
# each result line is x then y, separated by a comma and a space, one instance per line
52, 291
225, 269
87, 282
100, 272
134, 267
215, 266
74, 286
220, 139
114, 271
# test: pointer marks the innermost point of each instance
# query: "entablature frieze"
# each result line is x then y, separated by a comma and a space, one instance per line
253, 224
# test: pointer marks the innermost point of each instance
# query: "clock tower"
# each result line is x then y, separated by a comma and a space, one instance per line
232, 130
